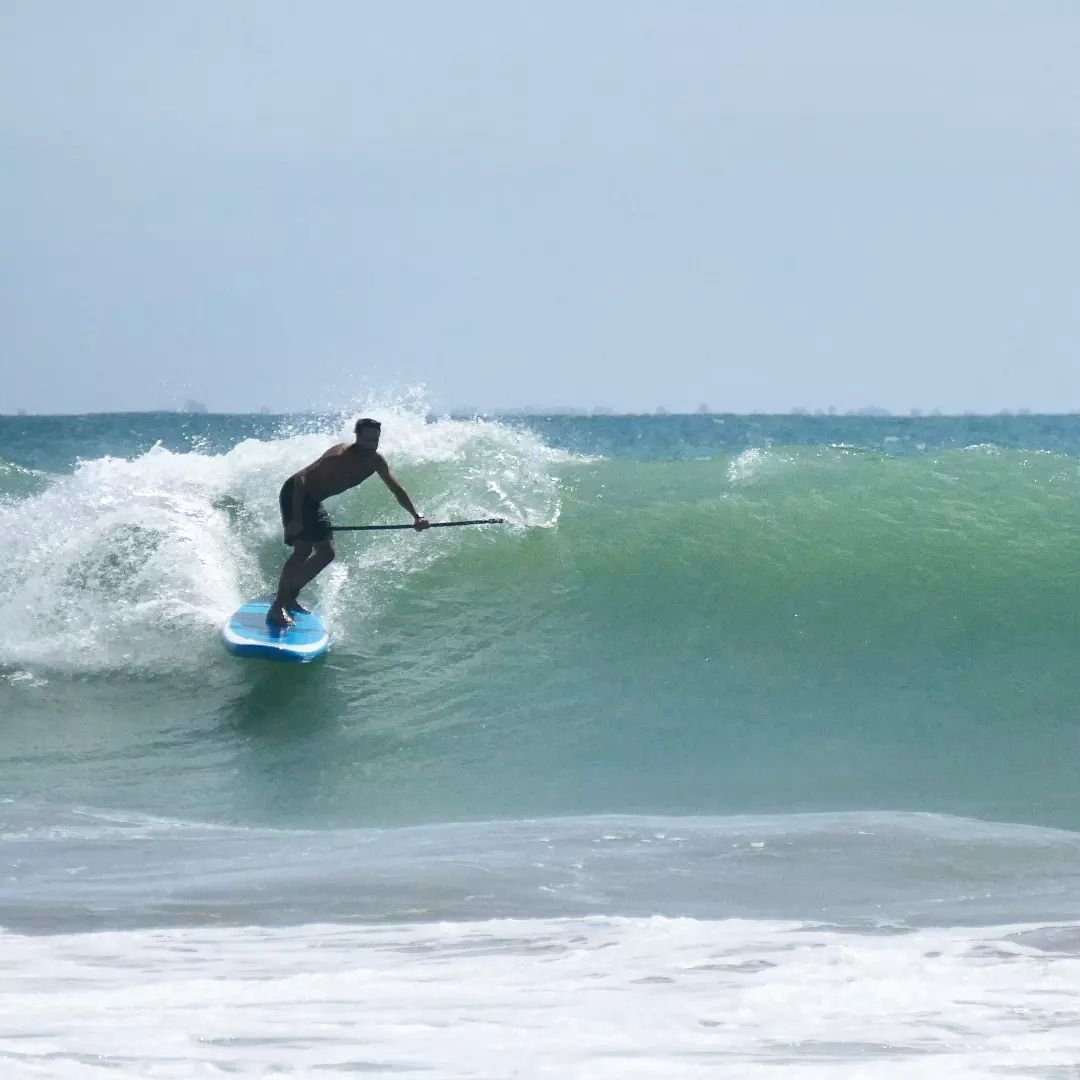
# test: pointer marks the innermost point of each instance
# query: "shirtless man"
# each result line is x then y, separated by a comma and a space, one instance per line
307, 525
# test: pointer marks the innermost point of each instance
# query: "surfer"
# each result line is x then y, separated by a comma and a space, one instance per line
306, 522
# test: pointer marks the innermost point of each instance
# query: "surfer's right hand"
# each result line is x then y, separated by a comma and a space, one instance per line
293, 530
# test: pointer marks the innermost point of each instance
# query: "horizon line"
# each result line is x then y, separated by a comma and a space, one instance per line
580, 414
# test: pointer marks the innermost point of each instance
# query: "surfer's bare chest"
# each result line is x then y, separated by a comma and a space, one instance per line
338, 470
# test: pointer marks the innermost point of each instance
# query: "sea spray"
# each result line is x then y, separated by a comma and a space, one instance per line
123, 564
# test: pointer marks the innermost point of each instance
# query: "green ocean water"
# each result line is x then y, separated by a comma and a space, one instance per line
685, 615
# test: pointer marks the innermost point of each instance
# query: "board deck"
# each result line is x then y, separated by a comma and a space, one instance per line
247, 633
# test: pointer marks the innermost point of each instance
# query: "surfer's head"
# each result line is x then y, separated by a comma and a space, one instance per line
367, 433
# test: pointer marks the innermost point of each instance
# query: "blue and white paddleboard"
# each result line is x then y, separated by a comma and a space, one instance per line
247, 633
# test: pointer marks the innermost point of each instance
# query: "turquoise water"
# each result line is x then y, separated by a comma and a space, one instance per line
758, 732
728, 615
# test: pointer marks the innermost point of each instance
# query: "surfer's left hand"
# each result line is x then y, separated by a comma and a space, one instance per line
421, 523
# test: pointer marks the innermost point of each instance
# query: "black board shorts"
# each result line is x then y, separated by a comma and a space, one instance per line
313, 515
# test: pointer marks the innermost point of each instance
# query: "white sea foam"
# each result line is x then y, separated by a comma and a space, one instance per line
745, 466
596, 998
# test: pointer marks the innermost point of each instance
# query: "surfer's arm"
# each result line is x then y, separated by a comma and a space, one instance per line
399, 493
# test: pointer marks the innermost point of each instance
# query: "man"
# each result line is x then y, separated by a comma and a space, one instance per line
306, 522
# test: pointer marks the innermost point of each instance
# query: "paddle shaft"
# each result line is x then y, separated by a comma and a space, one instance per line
433, 525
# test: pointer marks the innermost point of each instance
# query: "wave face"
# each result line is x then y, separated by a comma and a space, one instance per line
768, 629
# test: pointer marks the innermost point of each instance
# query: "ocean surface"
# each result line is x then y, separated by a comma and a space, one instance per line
748, 747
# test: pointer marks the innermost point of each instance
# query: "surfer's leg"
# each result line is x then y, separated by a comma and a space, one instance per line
318, 535
320, 558
290, 583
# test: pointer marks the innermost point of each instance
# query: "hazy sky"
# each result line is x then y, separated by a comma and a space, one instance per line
757, 204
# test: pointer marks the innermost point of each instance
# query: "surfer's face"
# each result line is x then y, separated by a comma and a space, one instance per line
367, 438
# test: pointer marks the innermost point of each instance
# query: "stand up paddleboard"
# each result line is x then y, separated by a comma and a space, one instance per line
247, 633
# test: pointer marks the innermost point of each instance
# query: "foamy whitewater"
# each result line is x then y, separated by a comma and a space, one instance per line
747, 748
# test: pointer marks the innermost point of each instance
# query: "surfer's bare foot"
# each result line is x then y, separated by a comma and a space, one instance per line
278, 616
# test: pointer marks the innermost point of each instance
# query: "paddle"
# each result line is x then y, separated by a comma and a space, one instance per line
433, 525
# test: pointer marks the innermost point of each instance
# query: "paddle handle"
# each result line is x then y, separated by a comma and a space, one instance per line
433, 525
